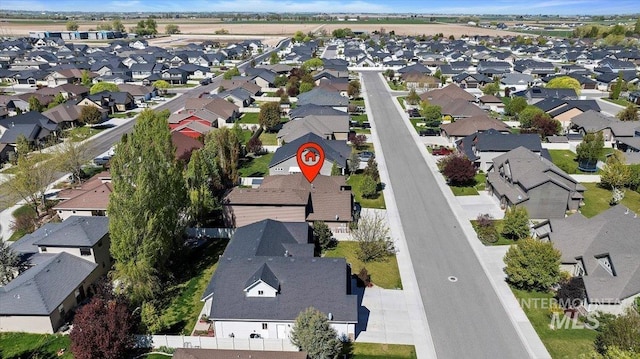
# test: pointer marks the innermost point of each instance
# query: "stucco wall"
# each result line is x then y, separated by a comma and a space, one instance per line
66, 213
28, 324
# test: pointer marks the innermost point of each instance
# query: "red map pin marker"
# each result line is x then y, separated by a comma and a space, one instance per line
310, 158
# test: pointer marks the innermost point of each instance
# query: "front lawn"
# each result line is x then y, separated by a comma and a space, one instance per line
401, 102
81, 133
24, 210
478, 184
357, 102
255, 167
269, 138
183, 310
360, 118
596, 200
25, 345
561, 343
397, 86
502, 241
622, 102
565, 160
355, 181
250, 118
378, 351
384, 274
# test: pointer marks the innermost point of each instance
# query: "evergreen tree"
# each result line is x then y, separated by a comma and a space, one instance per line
146, 206
201, 175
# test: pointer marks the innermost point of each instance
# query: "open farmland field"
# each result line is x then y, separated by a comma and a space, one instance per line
204, 26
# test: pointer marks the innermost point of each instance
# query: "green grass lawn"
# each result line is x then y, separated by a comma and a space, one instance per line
501, 239
367, 146
357, 102
183, 310
355, 180
255, 167
268, 138
78, 134
246, 136
23, 210
620, 101
360, 118
158, 356
472, 188
384, 274
596, 200
250, 118
24, 345
401, 102
561, 343
398, 86
565, 160
379, 351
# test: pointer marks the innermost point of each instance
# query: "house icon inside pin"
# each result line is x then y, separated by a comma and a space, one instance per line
310, 157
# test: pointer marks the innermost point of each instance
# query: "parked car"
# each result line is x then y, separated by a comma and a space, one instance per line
205, 81
442, 151
365, 156
413, 112
102, 161
429, 132
366, 124
255, 336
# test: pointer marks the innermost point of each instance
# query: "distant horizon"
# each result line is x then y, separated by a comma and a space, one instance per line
433, 7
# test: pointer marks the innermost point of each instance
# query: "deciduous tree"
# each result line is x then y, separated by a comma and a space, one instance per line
615, 173
103, 86
70, 158
90, 115
516, 223
590, 149
368, 187
254, 145
313, 334
515, 105
623, 333
146, 206
532, 265
172, 29
102, 329
545, 125
306, 87
372, 235
458, 169
413, 98
71, 25
372, 169
225, 145
430, 112
202, 178
117, 25
31, 180
269, 116
162, 86
353, 90
312, 64
35, 105
229, 74
565, 82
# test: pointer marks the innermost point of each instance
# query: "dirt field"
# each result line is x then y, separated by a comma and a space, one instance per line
201, 26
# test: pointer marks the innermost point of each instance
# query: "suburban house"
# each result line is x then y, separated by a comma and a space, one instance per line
67, 114
90, 199
327, 127
536, 94
482, 147
201, 115
284, 160
33, 125
612, 129
455, 131
110, 101
323, 97
67, 90
268, 275
139, 93
61, 262
293, 199
565, 110
604, 251
523, 178
491, 103
184, 145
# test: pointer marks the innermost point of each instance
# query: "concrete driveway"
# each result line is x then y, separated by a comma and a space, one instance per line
384, 317
480, 204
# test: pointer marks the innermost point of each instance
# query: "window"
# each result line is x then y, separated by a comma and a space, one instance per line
261, 292
265, 326
85, 251
43, 249
605, 262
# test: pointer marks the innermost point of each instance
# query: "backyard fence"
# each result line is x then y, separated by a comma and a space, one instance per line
182, 341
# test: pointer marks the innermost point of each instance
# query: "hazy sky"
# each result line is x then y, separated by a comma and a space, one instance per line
533, 7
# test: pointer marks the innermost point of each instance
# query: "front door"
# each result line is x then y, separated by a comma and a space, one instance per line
282, 331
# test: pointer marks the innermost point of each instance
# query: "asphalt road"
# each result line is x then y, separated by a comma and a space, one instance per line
465, 317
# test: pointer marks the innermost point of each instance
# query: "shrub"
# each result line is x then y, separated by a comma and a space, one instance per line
369, 187
372, 170
486, 229
516, 223
532, 265
254, 145
357, 140
364, 279
323, 236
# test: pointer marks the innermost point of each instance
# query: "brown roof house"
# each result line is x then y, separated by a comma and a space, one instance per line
523, 178
90, 199
59, 264
467, 126
292, 199
604, 251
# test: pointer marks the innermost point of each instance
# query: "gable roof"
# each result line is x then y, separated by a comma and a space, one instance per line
265, 275
41, 289
94, 199
452, 91
612, 233
471, 125
494, 141
334, 151
322, 97
313, 109
320, 125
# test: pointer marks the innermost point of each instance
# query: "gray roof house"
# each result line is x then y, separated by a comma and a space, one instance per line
284, 160
322, 97
268, 275
604, 251
612, 129
523, 178
328, 127
482, 147
62, 262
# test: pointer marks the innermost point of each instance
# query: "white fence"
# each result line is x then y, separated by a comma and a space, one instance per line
210, 232
180, 341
